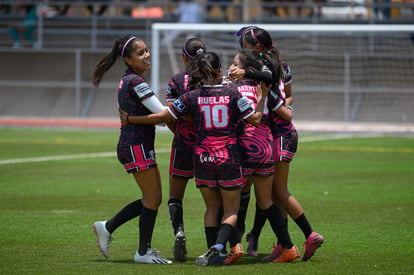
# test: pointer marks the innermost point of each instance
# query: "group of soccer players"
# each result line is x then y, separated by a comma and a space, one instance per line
231, 132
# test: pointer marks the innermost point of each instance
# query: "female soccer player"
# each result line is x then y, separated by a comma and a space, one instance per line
285, 143
214, 109
135, 147
257, 159
182, 149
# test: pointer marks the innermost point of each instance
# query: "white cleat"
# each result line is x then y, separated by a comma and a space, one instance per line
103, 237
151, 257
208, 257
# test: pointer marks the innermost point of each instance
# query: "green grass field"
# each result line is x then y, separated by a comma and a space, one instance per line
358, 192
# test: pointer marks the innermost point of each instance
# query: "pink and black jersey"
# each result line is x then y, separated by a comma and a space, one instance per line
132, 90
177, 86
248, 88
278, 126
288, 73
255, 141
215, 109
185, 131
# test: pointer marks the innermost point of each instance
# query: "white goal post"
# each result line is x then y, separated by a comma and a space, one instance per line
341, 72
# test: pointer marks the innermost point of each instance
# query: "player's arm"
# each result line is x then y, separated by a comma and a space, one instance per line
288, 83
262, 92
161, 117
261, 76
288, 92
278, 107
285, 112
172, 125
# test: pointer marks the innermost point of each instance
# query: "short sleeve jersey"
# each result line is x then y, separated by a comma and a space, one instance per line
132, 90
185, 134
248, 88
215, 109
288, 73
278, 126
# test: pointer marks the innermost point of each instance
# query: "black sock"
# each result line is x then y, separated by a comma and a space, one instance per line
304, 225
129, 212
175, 209
241, 215
286, 222
224, 232
234, 238
278, 225
259, 222
220, 215
211, 235
146, 228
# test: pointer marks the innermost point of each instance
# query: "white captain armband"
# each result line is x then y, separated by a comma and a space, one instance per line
153, 104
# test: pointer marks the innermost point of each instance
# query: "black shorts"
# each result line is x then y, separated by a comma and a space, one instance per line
136, 157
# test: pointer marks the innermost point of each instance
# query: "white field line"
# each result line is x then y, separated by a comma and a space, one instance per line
67, 157
157, 150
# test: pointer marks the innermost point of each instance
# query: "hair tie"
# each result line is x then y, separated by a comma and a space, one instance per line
186, 52
257, 40
261, 55
125, 45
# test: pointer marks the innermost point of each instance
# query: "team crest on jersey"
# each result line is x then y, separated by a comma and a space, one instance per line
243, 104
179, 105
142, 89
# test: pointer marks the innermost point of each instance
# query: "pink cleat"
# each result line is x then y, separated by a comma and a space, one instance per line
314, 241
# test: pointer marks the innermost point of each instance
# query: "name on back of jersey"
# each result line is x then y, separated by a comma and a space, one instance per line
213, 100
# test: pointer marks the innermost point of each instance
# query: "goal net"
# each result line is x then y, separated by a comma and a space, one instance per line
341, 73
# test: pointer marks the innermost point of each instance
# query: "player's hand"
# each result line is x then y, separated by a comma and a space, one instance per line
262, 91
123, 116
235, 73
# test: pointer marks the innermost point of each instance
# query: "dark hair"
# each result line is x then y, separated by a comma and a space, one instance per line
193, 46
270, 55
250, 59
121, 48
208, 69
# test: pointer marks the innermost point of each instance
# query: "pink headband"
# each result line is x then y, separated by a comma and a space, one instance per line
126, 43
254, 36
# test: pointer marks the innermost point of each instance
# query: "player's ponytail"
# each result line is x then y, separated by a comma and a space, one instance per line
121, 48
208, 70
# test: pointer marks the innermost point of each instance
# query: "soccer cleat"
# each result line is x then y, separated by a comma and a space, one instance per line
151, 257
277, 250
103, 237
288, 255
253, 245
235, 254
208, 257
314, 241
180, 252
